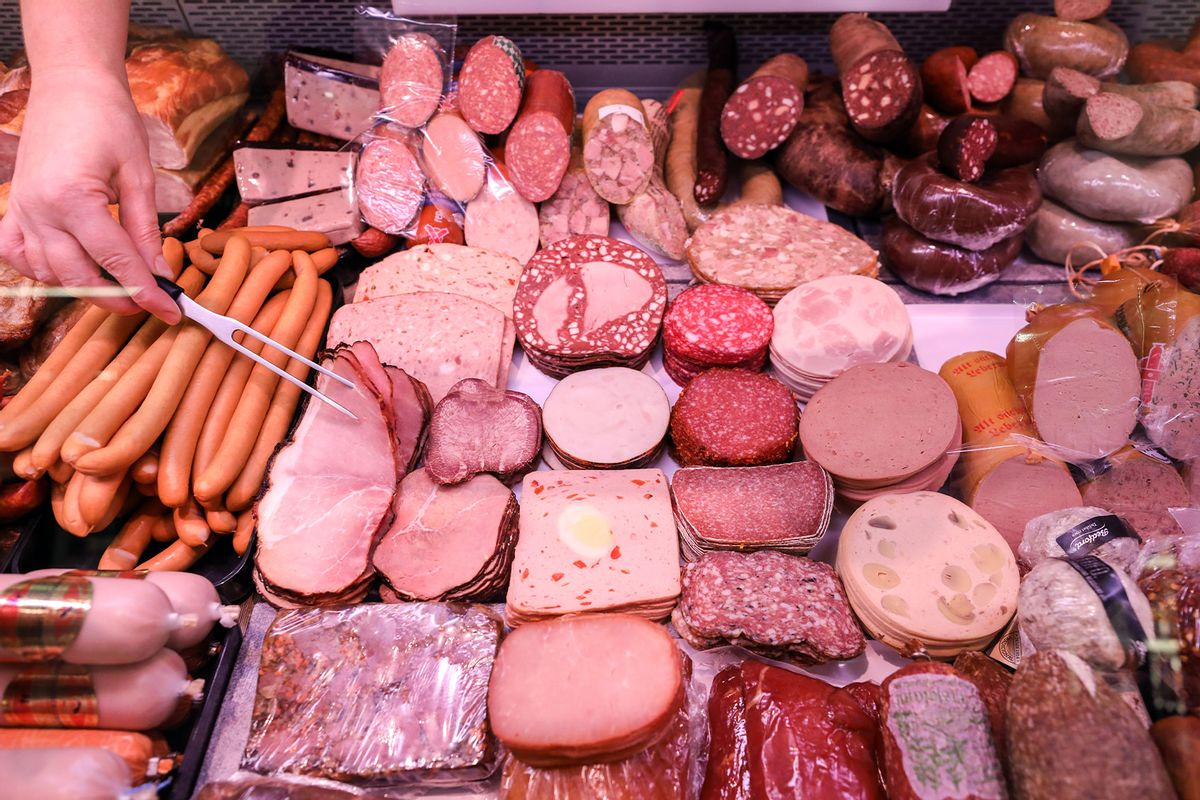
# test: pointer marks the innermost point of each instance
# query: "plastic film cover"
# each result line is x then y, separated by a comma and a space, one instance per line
376, 695
415, 68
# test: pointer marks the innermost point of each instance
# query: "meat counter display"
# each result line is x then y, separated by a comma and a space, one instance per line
686, 443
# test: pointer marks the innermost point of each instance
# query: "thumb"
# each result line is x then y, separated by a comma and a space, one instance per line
139, 215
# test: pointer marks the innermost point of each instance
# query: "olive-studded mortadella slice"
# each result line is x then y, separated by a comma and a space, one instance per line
131, 697
192, 596
83, 620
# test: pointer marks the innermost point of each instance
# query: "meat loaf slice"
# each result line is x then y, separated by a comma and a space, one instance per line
477, 428
603, 687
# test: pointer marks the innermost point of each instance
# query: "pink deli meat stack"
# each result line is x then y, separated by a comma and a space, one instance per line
477, 428
824, 327
734, 418
883, 429
594, 540
448, 542
780, 606
326, 505
784, 507
715, 325
589, 301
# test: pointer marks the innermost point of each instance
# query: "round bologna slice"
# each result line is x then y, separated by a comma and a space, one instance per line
717, 325
734, 418
614, 417
390, 183
589, 301
605, 686
925, 567
829, 325
880, 423
490, 84
410, 82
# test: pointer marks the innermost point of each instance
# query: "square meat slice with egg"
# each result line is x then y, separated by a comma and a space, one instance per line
595, 540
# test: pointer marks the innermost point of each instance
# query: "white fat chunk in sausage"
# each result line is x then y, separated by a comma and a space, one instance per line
611, 292
550, 310
1085, 400
128, 621
606, 416
62, 773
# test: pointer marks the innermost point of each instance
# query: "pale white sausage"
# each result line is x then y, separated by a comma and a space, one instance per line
192, 596
62, 773
123, 622
131, 697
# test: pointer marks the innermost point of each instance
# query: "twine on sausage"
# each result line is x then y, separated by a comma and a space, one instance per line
1144, 256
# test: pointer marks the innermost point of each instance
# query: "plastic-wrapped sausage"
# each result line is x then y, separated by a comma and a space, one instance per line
85, 620
1042, 43
192, 596
1057, 231
63, 773
132, 697
941, 268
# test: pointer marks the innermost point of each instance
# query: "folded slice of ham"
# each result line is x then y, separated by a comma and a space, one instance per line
408, 402
330, 490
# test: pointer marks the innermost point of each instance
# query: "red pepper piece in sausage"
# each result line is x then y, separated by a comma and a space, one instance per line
538, 148
763, 110
965, 147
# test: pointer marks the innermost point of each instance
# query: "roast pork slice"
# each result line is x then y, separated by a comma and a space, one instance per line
330, 490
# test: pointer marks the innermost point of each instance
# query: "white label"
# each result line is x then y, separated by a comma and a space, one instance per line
621, 108
941, 727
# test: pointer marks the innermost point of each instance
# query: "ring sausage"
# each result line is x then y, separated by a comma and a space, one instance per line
940, 268
1042, 43
1056, 231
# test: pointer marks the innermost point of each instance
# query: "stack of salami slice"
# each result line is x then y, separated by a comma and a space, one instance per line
829, 325
783, 507
613, 418
924, 568
589, 301
883, 429
715, 325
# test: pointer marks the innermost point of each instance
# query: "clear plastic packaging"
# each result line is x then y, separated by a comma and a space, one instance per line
68, 773
415, 56
376, 695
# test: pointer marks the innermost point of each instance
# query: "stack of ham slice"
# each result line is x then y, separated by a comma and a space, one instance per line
327, 503
785, 507
448, 542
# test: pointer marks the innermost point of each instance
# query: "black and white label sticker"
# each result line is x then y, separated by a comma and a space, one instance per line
1090, 534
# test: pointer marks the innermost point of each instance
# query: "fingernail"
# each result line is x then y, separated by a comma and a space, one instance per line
161, 268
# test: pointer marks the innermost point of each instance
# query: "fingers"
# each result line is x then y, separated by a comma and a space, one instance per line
74, 269
139, 214
110, 246
36, 260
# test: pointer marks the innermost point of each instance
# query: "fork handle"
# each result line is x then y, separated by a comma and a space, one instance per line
169, 286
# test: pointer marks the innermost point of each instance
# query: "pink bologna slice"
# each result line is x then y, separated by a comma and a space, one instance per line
390, 183
717, 325
589, 301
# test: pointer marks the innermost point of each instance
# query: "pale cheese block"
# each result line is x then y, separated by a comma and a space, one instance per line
271, 172
606, 416
925, 567
824, 327
332, 213
595, 540
485, 275
436, 337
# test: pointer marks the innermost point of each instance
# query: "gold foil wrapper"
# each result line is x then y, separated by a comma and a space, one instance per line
51, 696
41, 618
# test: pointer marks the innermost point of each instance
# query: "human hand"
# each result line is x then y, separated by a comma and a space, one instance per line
82, 148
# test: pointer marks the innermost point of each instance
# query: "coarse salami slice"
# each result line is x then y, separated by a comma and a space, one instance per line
589, 301
734, 418
782, 606
490, 84
763, 110
770, 250
411, 81
538, 149
783, 507
712, 325
992, 77
390, 183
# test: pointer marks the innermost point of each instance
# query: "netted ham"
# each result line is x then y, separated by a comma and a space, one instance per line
477, 428
449, 542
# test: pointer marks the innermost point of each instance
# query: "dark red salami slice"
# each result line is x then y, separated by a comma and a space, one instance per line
490, 84
589, 301
411, 81
993, 77
751, 599
734, 418
538, 148
717, 323
389, 182
966, 145
882, 94
762, 112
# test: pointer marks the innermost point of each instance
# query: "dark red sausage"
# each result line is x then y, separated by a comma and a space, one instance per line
712, 162
965, 147
538, 148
